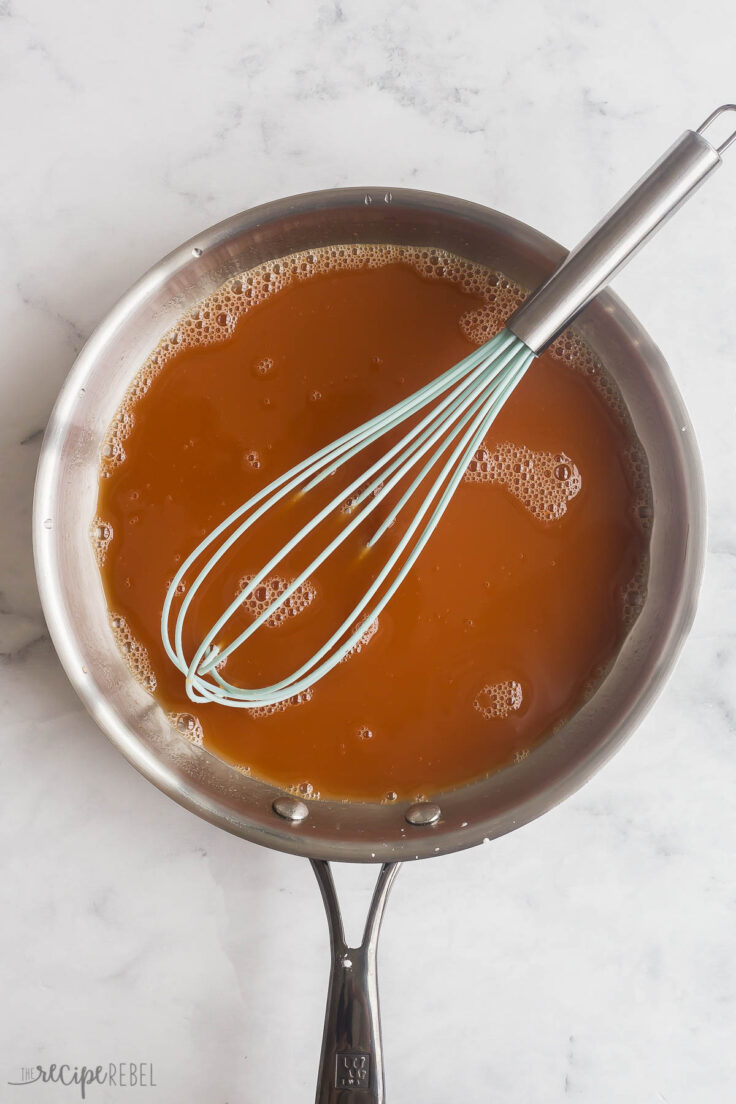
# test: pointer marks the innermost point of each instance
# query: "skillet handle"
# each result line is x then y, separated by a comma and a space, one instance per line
351, 1066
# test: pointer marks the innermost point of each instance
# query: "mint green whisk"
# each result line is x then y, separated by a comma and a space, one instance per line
457, 409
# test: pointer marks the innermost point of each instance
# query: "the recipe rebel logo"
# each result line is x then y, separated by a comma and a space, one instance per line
119, 1075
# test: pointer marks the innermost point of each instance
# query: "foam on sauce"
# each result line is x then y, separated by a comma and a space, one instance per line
188, 726
279, 707
271, 589
498, 699
543, 482
133, 652
381, 726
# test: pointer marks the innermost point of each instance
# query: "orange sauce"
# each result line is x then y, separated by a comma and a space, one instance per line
509, 617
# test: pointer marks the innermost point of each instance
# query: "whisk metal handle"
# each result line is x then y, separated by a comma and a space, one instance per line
614, 241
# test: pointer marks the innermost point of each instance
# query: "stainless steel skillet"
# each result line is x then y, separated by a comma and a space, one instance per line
73, 601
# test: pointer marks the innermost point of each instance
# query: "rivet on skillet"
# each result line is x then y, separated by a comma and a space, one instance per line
424, 812
290, 808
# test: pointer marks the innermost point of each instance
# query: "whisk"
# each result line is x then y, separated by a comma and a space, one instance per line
449, 418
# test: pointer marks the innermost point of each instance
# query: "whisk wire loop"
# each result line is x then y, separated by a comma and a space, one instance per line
464, 401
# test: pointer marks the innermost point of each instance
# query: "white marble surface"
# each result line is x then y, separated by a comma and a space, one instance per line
590, 956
